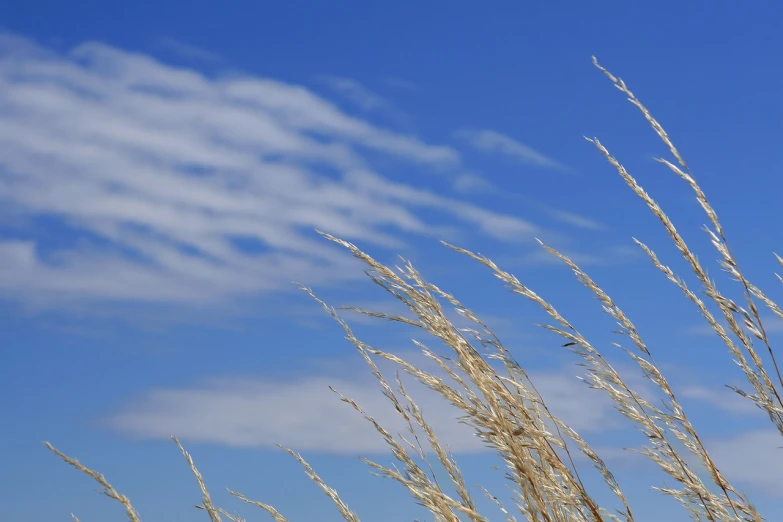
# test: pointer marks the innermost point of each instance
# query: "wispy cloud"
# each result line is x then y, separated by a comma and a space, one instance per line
772, 325
494, 142
505, 326
723, 399
400, 83
169, 185
471, 183
307, 417
304, 415
467, 182
611, 255
355, 92
188, 51
753, 459
575, 219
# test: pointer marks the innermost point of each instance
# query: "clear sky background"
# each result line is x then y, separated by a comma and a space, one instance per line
163, 166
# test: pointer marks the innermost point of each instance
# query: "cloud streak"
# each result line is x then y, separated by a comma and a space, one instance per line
753, 459
304, 415
494, 142
355, 92
168, 185
190, 52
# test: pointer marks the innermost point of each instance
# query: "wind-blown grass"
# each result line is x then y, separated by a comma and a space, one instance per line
510, 416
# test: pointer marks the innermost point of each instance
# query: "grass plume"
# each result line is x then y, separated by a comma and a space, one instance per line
507, 412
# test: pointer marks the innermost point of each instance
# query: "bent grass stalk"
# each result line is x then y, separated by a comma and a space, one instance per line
509, 414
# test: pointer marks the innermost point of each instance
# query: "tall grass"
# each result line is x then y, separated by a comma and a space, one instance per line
508, 413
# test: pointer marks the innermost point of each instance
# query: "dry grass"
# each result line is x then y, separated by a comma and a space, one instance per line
507, 412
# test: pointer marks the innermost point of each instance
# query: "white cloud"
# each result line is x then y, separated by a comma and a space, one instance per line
495, 142
575, 219
504, 326
611, 255
468, 182
724, 399
305, 415
400, 83
156, 174
188, 51
753, 459
772, 325
355, 92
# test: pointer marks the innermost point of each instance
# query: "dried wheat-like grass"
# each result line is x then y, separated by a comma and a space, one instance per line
509, 414
108, 489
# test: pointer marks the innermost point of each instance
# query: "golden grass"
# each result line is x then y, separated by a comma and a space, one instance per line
507, 412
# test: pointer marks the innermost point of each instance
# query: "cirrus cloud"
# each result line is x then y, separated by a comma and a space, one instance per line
163, 184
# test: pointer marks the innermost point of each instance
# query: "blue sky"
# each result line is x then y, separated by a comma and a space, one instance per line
162, 169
